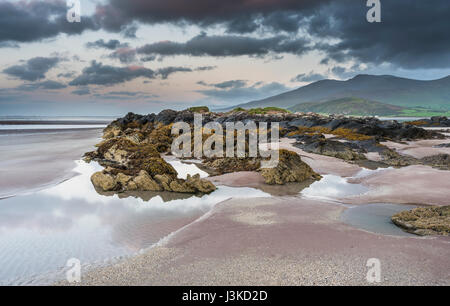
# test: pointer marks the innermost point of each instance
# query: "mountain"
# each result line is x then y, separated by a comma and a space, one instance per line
386, 89
350, 106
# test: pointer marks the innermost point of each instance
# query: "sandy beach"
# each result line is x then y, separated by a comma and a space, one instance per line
290, 239
34, 159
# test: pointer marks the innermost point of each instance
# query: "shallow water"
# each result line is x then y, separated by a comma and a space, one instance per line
332, 187
39, 232
376, 218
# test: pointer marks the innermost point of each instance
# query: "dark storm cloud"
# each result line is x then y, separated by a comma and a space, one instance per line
308, 77
26, 21
240, 16
412, 34
34, 69
227, 45
112, 44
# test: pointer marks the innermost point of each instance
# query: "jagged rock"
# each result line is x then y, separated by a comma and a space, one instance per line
331, 148
200, 185
145, 182
441, 161
290, 168
181, 187
104, 181
425, 221
164, 181
233, 164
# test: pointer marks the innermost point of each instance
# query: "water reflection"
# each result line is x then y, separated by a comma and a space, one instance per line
332, 187
41, 231
376, 218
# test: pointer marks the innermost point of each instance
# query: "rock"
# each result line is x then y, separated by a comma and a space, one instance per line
290, 168
144, 182
425, 220
164, 181
331, 148
123, 179
200, 185
181, 187
441, 161
103, 181
233, 164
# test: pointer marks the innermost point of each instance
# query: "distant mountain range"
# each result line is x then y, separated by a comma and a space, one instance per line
350, 106
371, 94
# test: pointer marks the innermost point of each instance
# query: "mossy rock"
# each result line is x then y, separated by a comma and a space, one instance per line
290, 169
423, 221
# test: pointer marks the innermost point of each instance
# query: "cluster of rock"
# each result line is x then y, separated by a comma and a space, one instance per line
438, 121
353, 147
132, 148
425, 220
131, 166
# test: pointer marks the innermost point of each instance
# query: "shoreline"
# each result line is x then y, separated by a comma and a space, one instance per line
41, 162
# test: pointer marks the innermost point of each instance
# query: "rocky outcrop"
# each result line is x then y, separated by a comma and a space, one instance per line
438, 121
425, 221
320, 145
232, 164
290, 169
131, 166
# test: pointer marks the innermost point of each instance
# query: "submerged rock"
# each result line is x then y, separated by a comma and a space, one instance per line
425, 221
290, 169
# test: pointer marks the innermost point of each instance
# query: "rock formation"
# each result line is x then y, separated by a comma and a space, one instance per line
425, 220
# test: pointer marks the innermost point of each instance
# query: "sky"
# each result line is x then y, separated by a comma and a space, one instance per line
146, 56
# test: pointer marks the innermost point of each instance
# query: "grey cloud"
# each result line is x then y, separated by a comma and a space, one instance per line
227, 45
308, 77
111, 44
50, 85
226, 84
124, 55
34, 69
99, 74
82, 91
243, 94
26, 21
413, 33
167, 71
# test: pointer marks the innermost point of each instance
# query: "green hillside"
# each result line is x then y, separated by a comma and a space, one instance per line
362, 107
391, 90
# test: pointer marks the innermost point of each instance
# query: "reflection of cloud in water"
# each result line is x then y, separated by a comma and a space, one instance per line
40, 231
331, 187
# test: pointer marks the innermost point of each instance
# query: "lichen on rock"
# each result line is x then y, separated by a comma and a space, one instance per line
425, 221
290, 169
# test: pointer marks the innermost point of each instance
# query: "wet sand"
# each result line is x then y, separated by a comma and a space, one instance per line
419, 149
409, 185
279, 241
31, 160
293, 240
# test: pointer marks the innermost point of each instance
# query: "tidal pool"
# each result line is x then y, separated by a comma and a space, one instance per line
41, 231
376, 218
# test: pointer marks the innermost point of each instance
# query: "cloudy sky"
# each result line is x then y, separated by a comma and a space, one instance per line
144, 56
